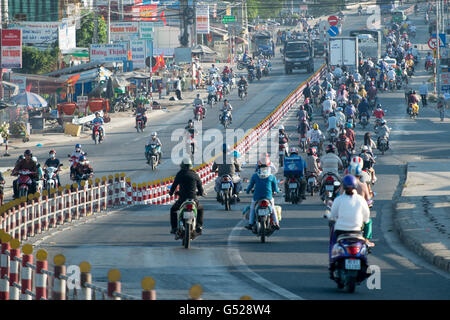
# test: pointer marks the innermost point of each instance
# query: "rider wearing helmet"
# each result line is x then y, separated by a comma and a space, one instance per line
283, 138
52, 161
264, 160
295, 168
302, 113
378, 112
228, 165
340, 117
82, 168
154, 140
26, 164
312, 163
75, 156
98, 119
315, 137
265, 184
350, 134
190, 187
141, 109
383, 131
330, 163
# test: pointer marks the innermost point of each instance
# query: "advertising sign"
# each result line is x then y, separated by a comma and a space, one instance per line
202, 19
66, 36
123, 31
11, 49
138, 53
146, 30
38, 33
20, 81
108, 52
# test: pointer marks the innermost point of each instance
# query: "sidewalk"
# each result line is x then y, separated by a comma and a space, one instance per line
422, 213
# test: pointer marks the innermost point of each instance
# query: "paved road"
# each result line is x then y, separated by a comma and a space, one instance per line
230, 262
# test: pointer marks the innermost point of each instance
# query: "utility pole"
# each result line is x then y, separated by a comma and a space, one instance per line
109, 22
438, 60
95, 37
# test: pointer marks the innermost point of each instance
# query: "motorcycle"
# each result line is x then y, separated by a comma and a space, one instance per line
344, 159
312, 184
330, 188
242, 92
190, 143
24, 182
429, 65
212, 97
187, 220
258, 73
333, 134
225, 119
348, 257
226, 191
242, 65
78, 178
265, 70
264, 221
413, 114
377, 124
399, 83
198, 112
97, 133
140, 123
294, 190
364, 120
383, 145
50, 179
251, 75
303, 142
372, 103
219, 94
152, 155
391, 85
282, 153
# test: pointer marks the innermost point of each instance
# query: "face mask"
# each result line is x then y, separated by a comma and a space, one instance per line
53, 155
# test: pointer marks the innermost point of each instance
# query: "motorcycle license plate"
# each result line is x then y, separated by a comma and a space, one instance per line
292, 185
303, 139
329, 188
263, 212
226, 186
311, 180
281, 152
352, 264
188, 215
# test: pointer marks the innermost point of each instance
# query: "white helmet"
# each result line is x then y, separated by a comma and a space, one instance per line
154, 134
281, 127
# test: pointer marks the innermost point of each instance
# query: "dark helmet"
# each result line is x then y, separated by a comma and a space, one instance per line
330, 148
349, 182
28, 152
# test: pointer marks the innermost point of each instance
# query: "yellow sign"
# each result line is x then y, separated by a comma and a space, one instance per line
434, 53
228, 11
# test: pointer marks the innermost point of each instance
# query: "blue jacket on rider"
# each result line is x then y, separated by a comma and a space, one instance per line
264, 188
363, 107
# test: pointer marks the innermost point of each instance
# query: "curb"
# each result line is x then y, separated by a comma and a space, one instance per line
412, 234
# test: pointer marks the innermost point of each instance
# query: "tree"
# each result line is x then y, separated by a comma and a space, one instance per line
35, 61
264, 9
85, 35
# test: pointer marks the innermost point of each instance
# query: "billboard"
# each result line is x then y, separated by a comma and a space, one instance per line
124, 31
202, 19
138, 53
11, 48
117, 52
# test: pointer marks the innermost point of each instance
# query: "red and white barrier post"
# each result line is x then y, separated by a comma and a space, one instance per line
148, 283
85, 279
59, 283
113, 283
41, 277
4, 266
27, 272
14, 275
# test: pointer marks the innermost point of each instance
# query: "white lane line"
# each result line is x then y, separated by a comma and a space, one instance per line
239, 264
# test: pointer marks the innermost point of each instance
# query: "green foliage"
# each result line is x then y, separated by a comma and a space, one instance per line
325, 7
264, 9
35, 61
85, 35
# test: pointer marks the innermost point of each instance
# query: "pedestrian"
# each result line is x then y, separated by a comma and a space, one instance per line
423, 91
178, 88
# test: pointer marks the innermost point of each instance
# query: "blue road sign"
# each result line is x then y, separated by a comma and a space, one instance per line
333, 31
442, 41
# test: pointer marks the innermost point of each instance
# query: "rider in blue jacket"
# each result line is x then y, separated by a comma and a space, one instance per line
265, 185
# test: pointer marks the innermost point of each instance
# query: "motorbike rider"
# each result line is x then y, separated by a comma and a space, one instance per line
350, 213
363, 107
298, 173
76, 154
303, 127
343, 144
154, 140
99, 119
316, 136
243, 82
368, 161
265, 184
283, 138
307, 91
350, 134
228, 166
429, 59
52, 161
212, 92
330, 163
226, 108
412, 99
199, 101
83, 167
264, 159
383, 131
328, 106
308, 108
26, 164
391, 75
40, 175
312, 162
302, 113
332, 123
190, 186
340, 117
350, 111
141, 110
190, 128
372, 91
423, 91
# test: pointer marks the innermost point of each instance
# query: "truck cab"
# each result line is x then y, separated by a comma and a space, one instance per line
298, 54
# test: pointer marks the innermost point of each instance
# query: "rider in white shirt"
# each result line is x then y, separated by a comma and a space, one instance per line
328, 106
391, 74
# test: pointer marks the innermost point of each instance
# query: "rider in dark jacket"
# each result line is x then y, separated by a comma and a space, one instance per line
190, 186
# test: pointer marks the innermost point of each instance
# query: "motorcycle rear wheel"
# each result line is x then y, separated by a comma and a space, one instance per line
350, 285
187, 237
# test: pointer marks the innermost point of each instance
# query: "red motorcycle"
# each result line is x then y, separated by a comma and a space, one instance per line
429, 65
140, 123
24, 182
198, 112
97, 133
219, 94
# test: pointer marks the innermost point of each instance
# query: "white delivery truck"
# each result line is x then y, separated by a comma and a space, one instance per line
343, 51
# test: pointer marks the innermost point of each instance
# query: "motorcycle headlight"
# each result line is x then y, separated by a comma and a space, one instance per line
337, 251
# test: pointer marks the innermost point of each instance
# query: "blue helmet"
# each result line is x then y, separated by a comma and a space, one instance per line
349, 125
78, 146
349, 182
82, 158
355, 170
